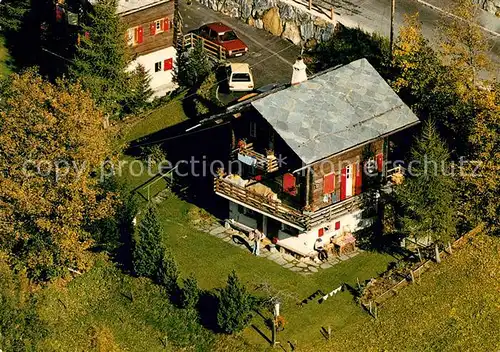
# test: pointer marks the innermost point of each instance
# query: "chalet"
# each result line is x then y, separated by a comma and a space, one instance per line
150, 34
309, 154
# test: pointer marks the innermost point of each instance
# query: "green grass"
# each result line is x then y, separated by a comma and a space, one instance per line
4, 56
166, 115
124, 312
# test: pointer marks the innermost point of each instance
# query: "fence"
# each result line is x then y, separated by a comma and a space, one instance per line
415, 274
213, 50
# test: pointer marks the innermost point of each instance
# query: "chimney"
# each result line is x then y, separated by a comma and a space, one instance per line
299, 71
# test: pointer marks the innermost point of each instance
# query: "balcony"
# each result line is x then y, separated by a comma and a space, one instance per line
246, 154
263, 200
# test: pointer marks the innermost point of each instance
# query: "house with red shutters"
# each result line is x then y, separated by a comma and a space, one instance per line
150, 34
309, 158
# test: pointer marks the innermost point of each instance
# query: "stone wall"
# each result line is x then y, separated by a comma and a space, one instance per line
285, 18
492, 6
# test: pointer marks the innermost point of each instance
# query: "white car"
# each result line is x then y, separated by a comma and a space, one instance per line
239, 77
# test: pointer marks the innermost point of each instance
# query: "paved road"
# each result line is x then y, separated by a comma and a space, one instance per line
270, 57
375, 15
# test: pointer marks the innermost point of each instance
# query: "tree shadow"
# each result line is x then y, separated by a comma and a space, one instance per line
207, 308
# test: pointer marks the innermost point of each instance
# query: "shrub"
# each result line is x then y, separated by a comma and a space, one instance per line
235, 306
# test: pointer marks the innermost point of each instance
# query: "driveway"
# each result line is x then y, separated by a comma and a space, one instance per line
270, 57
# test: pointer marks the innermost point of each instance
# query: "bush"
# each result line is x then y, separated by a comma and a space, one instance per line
190, 292
235, 306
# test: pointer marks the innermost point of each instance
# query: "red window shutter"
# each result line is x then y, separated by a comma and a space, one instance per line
337, 225
152, 28
168, 64
380, 162
329, 183
321, 232
166, 24
140, 34
343, 181
359, 178
289, 185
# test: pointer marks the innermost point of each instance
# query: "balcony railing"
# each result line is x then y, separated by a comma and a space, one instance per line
301, 218
230, 190
262, 162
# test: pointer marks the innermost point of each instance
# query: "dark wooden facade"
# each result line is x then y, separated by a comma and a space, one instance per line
144, 20
309, 194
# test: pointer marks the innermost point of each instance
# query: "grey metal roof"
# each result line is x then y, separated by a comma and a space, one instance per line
335, 111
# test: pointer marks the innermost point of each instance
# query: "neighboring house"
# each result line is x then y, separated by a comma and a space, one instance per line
332, 131
150, 33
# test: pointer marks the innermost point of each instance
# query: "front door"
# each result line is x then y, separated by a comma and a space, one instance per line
348, 181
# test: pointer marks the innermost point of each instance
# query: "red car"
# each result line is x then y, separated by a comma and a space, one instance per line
224, 36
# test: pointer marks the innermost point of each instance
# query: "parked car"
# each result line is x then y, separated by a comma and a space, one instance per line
224, 36
239, 77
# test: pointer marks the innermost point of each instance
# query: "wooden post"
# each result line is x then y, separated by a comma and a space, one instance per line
419, 254
273, 342
332, 14
310, 5
359, 286
371, 307
329, 332
393, 10
412, 277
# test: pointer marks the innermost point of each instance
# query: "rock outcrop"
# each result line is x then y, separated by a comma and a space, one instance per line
279, 17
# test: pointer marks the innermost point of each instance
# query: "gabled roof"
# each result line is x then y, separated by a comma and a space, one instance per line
335, 111
128, 6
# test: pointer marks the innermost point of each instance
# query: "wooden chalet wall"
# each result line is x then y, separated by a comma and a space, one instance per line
145, 19
335, 164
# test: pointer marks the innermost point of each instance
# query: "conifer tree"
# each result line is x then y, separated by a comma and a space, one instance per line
235, 306
427, 194
12, 13
140, 90
190, 292
102, 57
193, 66
167, 273
148, 250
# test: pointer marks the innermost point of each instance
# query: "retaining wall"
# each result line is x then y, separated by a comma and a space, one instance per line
288, 19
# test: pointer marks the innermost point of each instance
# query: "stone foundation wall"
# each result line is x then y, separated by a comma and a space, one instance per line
285, 18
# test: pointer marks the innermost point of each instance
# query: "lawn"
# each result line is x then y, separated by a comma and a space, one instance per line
164, 116
4, 56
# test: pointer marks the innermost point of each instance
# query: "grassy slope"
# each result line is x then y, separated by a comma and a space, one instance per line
4, 55
451, 309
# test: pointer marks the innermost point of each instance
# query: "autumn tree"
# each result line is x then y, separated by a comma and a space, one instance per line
102, 57
481, 175
52, 146
427, 195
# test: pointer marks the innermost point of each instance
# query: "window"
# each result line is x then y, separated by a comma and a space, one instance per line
227, 36
288, 229
240, 77
135, 35
158, 66
253, 129
159, 26
249, 212
371, 167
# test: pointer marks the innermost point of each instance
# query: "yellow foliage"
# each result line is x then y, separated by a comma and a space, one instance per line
44, 210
